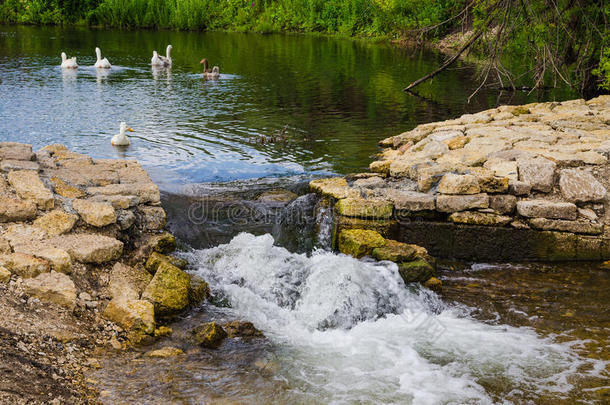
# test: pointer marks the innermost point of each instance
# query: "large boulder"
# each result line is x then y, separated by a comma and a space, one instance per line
168, 290
89, 248
395, 251
359, 242
156, 258
56, 288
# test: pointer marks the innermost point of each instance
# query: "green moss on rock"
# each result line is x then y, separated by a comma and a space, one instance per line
199, 290
359, 242
168, 290
362, 208
417, 271
164, 243
209, 335
395, 252
157, 258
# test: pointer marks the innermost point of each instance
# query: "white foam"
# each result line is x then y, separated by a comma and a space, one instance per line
350, 331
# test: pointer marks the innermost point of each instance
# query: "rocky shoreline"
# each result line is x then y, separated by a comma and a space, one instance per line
84, 269
511, 183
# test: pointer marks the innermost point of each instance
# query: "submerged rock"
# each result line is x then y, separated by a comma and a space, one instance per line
165, 352
277, 196
168, 290
210, 335
434, 284
243, 329
163, 331
359, 242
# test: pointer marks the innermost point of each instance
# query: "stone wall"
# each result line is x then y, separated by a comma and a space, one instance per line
512, 183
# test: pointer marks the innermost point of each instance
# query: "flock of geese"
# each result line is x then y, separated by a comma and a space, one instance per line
158, 61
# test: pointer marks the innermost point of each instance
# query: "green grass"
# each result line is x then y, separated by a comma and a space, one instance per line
369, 18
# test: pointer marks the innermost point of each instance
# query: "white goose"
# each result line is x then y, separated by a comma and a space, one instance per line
162, 61
121, 139
68, 63
101, 63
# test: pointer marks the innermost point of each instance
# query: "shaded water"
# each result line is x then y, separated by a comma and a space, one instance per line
336, 97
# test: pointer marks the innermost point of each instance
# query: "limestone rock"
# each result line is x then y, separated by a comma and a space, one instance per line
5, 275
163, 243
5, 247
456, 143
242, 329
21, 233
58, 259
458, 184
95, 213
454, 203
395, 251
56, 288
7, 165
16, 151
547, 209
128, 282
359, 242
24, 265
66, 190
584, 227
503, 203
148, 193
503, 168
199, 290
89, 248
156, 258
118, 202
488, 181
163, 331
537, 172
411, 200
335, 187
165, 352
14, 209
361, 208
380, 166
415, 271
519, 188
580, 186
479, 218
56, 222
277, 196
151, 218
433, 284
28, 186
210, 335
168, 290
132, 315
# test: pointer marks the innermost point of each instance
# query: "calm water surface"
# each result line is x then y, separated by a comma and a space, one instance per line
336, 97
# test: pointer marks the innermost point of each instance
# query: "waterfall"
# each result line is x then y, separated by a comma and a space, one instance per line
350, 331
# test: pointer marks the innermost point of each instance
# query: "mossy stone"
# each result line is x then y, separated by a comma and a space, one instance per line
157, 258
209, 335
362, 208
416, 271
164, 243
199, 290
359, 242
395, 252
168, 290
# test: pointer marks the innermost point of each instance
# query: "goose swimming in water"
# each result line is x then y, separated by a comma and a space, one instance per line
68, 63
162, 61
121, 139
101, 63
208, 73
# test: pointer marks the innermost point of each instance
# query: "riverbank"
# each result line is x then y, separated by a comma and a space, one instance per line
511, 183
82, 269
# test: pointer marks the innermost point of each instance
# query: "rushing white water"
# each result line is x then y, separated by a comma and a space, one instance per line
350, 331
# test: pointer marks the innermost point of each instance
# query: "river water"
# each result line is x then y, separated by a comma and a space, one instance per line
338, 330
